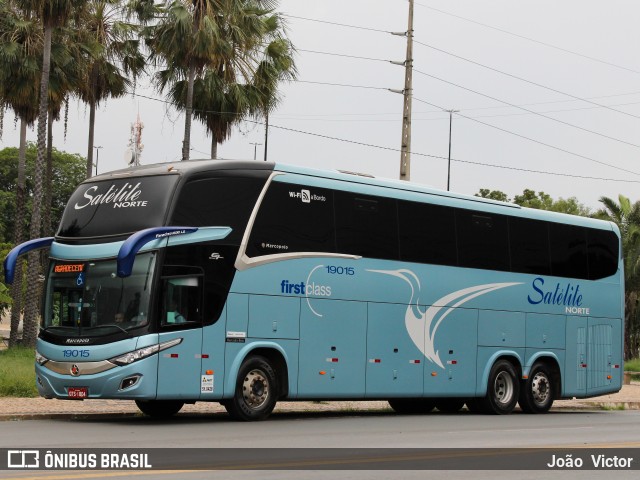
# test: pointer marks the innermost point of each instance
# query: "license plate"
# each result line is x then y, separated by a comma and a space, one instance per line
78, 392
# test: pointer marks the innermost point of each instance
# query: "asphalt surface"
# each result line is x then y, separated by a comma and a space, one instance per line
13, 408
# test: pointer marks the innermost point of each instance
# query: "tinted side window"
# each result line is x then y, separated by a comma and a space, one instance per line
603, 251
482, 240
366, 225
224, 202
529, 241
293, 218
427, 233
568, 250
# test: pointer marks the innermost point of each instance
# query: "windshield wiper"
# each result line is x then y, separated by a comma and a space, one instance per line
61, 327
107, 326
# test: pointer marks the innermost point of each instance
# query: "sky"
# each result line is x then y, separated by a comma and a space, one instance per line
547, 94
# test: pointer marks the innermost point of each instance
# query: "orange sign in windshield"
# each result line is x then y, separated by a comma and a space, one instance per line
69, 268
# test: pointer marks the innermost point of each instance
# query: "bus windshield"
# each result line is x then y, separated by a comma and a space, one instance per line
88, 298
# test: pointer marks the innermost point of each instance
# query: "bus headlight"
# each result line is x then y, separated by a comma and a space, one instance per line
41, 359
145, 352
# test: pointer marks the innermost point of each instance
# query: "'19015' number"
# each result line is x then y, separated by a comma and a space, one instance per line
76, 353
333, 270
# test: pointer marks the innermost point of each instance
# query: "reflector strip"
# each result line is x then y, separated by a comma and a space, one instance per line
414, 361
332, 360
374, 360
202, 355
170, 355
452, 362
616, 366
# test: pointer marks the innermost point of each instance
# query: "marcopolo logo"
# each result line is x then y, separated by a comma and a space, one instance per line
307, 197
124, 197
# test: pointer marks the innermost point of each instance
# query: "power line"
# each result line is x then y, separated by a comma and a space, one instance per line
525, 80
336, 23
537, 141
549, 45
482, 164
529, 111
341, 85
334, 54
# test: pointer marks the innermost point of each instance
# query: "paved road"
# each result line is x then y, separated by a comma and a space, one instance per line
617, 431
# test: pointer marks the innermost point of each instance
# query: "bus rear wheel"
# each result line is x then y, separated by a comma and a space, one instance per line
412, 405
538, 391
503, 389
159, 408
256, 391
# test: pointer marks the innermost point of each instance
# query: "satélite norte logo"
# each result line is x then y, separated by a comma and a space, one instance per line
568, 296
307, 197
126, 196
308, 289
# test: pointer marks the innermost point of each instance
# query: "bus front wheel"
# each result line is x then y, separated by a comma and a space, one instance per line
159, 408
503, 389
256, 391
537, 393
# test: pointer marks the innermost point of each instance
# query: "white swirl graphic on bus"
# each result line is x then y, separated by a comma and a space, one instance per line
422, 326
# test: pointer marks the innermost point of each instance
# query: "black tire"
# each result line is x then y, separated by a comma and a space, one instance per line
256, 391
538, 391
449, 405
503, 389
409, 406
159, 408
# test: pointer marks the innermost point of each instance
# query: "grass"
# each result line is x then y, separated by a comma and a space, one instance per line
17, 373
633, 366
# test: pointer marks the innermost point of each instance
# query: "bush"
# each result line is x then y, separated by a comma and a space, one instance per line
17, 373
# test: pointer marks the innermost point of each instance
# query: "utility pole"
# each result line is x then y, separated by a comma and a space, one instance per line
266, 134
255, 148
405, 152
97, 157
451, 112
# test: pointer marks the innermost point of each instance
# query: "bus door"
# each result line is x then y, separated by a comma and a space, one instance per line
575, 381
181, 317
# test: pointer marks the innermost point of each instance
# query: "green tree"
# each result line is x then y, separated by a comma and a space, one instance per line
68, 172
192, 36
626, 216
53, 13
119, 56
493, 195
220, 104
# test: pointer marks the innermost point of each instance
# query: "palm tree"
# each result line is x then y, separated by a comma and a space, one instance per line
627, 217
220, 104
53, 13
106, 75
20, 50
195, 35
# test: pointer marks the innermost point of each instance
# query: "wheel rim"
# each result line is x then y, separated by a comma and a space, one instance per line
540, 388
503, 388
255, 389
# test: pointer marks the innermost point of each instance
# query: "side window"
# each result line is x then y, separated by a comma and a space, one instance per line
603, 251
223, 202
427, 233
482, 240
529, 241
293, 218
568, 250
182, 301
366, 225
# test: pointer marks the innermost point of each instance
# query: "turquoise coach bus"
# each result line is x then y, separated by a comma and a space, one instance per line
246, 283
